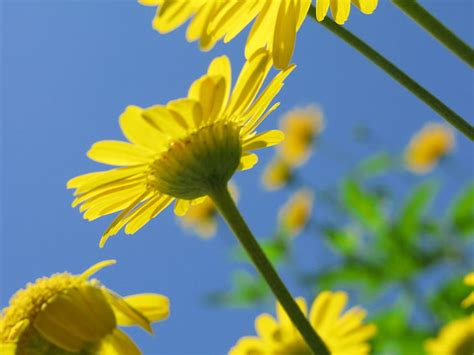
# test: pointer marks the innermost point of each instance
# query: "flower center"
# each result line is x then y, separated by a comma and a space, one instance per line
196, 164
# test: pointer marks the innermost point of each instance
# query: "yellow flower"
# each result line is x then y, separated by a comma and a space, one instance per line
456, 338
340, 8
181, 151
427, 146
277, 174
296, 212
343, 333
275, 27
202, 218
300, 126
469, 281
65, 314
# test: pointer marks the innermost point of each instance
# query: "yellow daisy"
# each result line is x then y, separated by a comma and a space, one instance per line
296, 212
301, 126
202, 217
65, 314
277, 174
343, 332
275, 26
456, 338
340, 8
469, 281
427, 146
182, 150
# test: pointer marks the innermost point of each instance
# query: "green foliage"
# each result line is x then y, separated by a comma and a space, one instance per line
445, 303
363, 205
462, 212
410, 219
375, 165
343, 240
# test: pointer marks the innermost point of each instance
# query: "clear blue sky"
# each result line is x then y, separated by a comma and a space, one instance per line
69, 68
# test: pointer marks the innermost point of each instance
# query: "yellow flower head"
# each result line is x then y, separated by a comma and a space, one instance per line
275, 26
469, 281
65, 314
455, 338
343, 332
277, 174
427, 146
296, 212
182, 150
340, 8
202, 217
301, 126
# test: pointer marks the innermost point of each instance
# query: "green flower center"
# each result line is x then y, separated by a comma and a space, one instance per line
195, 165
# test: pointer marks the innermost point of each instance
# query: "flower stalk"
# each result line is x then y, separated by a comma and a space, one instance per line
431, 24
222, 199
424, 95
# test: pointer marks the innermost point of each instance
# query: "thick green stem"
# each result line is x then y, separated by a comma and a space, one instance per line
227, 207
424, 95
431, 24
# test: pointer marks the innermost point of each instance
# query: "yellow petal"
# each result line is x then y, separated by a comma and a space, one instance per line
8, 349
263, 28
247, 161
249, 82
138, 131
210, 92
117, 343
173, 14
188, 110
340, 10
266, 326
153, 306
198, 28
285, 34
97, 267
146, 212
322, 7
263, 140
366, 6
303, 7
160, 117
126, 313
181, 207
118, 153
150, 2
75, 318
221, 66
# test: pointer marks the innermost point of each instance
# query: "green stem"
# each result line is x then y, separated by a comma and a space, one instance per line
431, 24
449, 115
222, 199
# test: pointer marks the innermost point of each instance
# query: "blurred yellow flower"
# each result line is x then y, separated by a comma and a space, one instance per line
275, 27
183, 150
66, 314
277, 174
455, 338
340, 8
469, 281
297, 211
202, 217
301, 126
427, 146
343, 333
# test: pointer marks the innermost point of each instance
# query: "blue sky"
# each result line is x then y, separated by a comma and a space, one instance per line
69, 68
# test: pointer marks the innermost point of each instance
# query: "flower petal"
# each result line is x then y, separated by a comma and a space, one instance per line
117, 343
153, 306
322, 7
247, 161
118, 153
97, 267
285, 34
263, 140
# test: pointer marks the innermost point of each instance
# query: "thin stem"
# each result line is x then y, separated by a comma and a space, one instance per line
222, 199
449, 115
431, 24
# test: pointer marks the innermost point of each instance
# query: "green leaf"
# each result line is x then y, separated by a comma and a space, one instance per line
374, 165
344, 240
446, 302
462, 212
363, 205
414, 209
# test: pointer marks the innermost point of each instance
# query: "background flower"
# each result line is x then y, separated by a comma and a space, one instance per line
275, 27
65, 314
456, 338
343, 332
